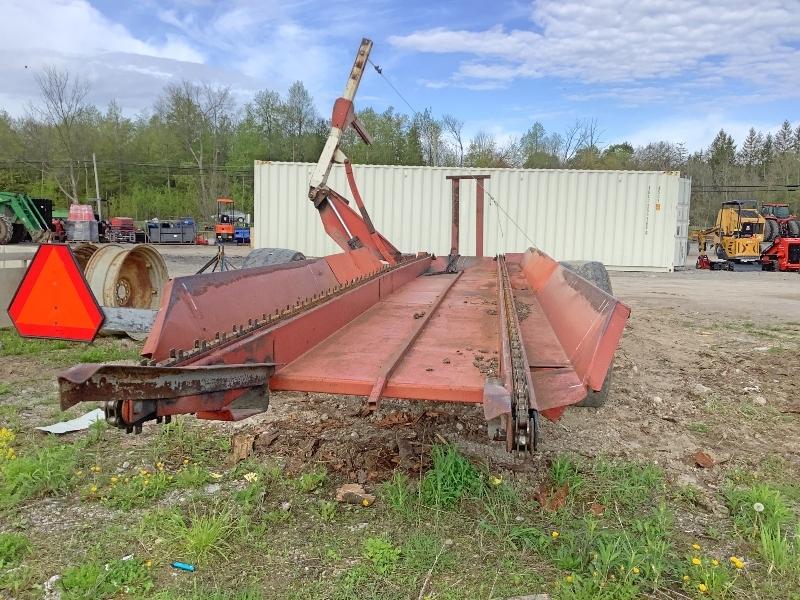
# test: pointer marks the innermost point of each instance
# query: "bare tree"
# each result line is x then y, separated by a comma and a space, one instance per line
63, 108
584, 133
201, 118
454, 128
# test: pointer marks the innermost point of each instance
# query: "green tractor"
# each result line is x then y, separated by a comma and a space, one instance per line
20, 215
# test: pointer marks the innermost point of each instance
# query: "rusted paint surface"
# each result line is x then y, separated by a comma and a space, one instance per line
587, 322
93, 382
443, 363
199, 306
391, 362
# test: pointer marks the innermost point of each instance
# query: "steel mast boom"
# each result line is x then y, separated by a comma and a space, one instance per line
347, 228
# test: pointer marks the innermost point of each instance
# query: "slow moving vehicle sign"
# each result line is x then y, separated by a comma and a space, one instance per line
53, 299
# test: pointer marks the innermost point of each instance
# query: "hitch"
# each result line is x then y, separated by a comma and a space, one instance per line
222, 392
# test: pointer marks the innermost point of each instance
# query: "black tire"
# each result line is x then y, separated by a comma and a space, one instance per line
596, 273
18, 233
794, 228
265, 257
771, 230
6, 230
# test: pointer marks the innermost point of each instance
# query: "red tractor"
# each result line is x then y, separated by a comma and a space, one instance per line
782, 255
779, 221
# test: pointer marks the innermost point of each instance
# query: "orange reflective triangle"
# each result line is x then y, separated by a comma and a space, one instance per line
54, 300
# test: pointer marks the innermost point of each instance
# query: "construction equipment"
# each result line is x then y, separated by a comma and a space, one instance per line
20, 215
780, 222
517, 334
736, 235
782, 255
228, 228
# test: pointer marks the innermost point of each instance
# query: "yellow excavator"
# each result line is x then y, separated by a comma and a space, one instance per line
736, 236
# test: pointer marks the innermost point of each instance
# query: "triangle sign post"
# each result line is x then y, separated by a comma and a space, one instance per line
54, 300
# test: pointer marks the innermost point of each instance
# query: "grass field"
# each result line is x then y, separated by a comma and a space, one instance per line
109, 513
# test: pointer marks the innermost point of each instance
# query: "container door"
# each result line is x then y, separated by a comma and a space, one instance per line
682, 223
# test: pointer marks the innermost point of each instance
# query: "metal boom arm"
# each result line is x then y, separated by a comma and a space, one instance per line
346, 227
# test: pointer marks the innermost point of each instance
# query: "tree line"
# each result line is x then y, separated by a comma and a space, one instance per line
195, 144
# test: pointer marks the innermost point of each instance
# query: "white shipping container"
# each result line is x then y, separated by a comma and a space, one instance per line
630, 220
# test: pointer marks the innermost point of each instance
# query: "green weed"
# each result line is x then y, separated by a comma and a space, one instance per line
757, 507
451, 478
13, 547
422, 552
202, 593
399, 494
698, 427
6, 388
200, 537
131, 491
308, 482
180, 442
629, 485
326, 511
45, 471
564, 471
778, 550
94, 580
383, 555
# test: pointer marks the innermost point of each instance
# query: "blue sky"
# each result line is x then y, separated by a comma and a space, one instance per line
647, 70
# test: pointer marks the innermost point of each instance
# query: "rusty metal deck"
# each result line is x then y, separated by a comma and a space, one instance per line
439, 365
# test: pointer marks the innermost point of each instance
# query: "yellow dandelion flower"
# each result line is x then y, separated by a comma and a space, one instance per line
702, 587
148, 563
496, 480
79, 473
695, 546
251, 477
696, 561
93, 489
186, 461
737, 562
145, 482
365, 502
114, 479
568, 578
215, 475
715, 562
686, 578
635, 570
554, 534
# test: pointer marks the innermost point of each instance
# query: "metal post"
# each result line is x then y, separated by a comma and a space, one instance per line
97, 188
479, 206
479, 216
454, 233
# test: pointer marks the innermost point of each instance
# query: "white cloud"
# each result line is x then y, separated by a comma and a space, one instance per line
75, 27
244, 45
623, 41
696, 132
